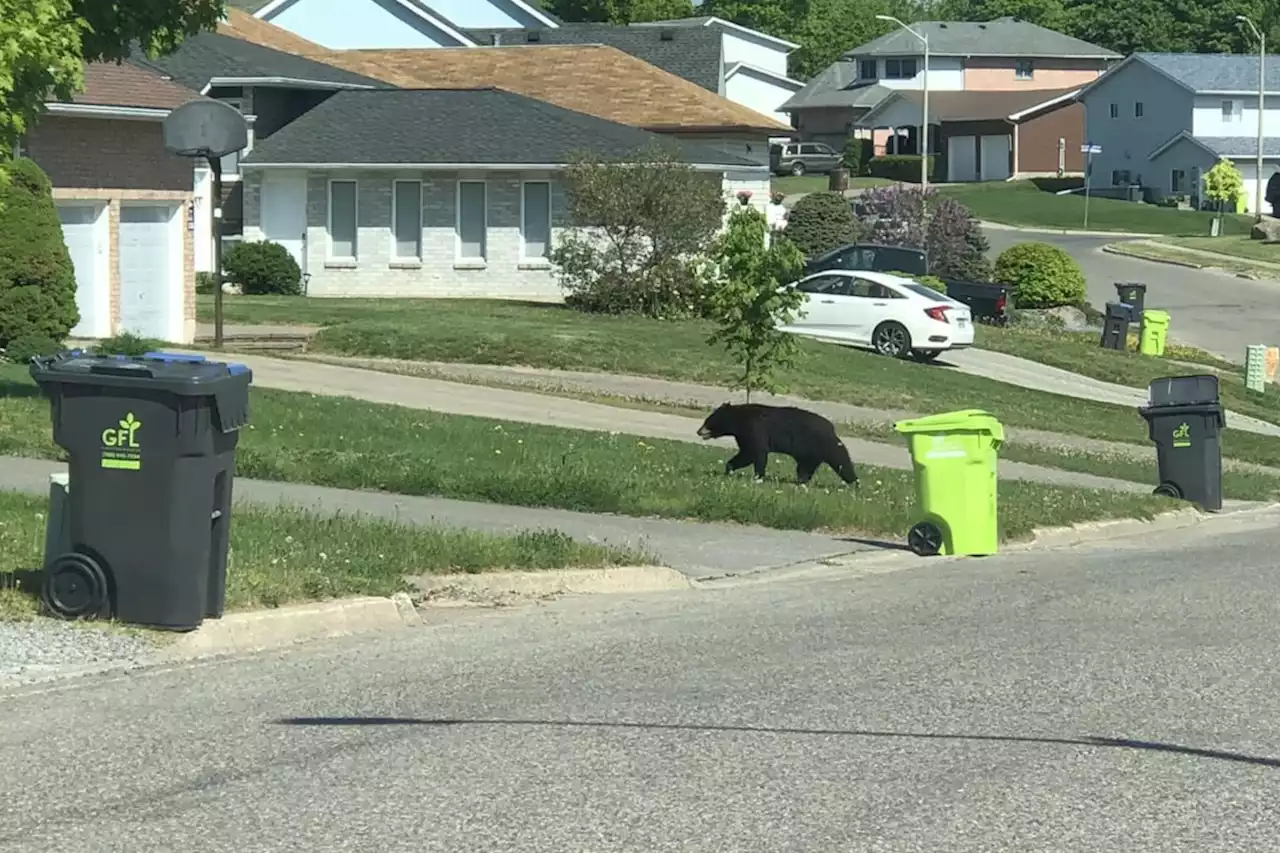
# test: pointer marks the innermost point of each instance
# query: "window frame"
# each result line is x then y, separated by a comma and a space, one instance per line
524, 210
1138, 109
1115, 110
900, 63
396, 257
1177, 187
862, 69
1230, 114
1024, 69
459, 258
354, 257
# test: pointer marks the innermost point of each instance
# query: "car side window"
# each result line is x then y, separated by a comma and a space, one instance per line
824, 149
879, 291
860, 287
820, 284
792, 150
808, 149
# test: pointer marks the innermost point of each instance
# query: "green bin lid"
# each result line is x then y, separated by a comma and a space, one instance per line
965, 420
1153, 315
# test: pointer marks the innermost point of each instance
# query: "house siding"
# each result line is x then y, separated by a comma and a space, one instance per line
946, 73
113, 162
1037, 148
1127, 141
739, 47
351, 24
760, 93
1207, 120
1000, 73
1183, 155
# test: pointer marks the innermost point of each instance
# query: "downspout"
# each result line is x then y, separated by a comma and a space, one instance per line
1017, 164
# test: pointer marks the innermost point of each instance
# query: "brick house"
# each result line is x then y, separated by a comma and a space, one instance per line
438, 192
124, 201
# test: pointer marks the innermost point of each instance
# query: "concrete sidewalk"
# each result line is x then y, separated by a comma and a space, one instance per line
457, 398
699, 550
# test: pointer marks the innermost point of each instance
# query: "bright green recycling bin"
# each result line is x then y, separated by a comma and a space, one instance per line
954, 456
1155, 327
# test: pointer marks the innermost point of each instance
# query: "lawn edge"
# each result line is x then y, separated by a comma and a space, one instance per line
1045, 538
1239, 267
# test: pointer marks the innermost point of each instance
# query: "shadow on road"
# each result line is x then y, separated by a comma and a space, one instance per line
1116, 743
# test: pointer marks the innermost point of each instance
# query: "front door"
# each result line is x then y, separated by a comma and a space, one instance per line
284, 212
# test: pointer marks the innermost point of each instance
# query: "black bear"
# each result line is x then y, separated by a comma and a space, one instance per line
806, 437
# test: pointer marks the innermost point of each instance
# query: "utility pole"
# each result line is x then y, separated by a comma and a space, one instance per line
924, 107
1259, 192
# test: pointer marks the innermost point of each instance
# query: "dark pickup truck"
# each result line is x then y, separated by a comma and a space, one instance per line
989, 302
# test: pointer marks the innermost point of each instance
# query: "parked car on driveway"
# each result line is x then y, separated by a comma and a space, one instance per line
800, 158
894, 316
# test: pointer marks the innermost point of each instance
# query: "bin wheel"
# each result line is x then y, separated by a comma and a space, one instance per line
75, 587
1168, 490
925, 539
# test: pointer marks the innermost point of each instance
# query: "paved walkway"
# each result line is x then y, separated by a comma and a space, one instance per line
458, 398
697, 549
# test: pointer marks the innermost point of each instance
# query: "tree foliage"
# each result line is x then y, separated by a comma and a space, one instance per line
636, 233
37, 279
749, 302
1223, 183
820, 222
44, 43
619, 11
921, 219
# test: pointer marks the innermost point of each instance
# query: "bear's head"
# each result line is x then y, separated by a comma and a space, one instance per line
718, 424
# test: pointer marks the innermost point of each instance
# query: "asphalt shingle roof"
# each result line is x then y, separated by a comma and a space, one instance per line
107, 84
834, 87
1243, 146
690, 53
981, 105
207, 55
456, 126
1001, 37
1214, 72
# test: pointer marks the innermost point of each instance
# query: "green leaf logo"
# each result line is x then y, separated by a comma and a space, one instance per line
130, 422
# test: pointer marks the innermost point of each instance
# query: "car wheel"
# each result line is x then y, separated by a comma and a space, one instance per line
797, 169
891, 339
926, 354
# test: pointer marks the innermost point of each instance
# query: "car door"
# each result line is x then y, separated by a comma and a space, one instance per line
812, 158
823, 313
827, 156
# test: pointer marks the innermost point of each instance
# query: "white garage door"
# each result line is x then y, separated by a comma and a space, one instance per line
82, 234
147, 279
995, 158
283, 208
962, 162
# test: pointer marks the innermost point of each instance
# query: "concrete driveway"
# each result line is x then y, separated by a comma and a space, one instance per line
1120, 698
1212, 310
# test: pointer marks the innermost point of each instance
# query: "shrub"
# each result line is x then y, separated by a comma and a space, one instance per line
1041, 275
26, 347
900, 167
126, 343
951, 236
638, 231
37, 279
857, 155
930, 281
206, 282
820, 222
263, 268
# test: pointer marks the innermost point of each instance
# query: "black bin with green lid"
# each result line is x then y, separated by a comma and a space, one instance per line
151, 444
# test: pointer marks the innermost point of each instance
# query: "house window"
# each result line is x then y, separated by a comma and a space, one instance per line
342, 220
1231, 111
899, 69
535, 220
1178, 181
473, 215
1115, 111
406, 220
1137, 109
1023, 69
867, 70
231, 162
1120, 178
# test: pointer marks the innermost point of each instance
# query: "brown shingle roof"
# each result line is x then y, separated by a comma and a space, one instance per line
244, 26
107, 84
978, 105
592, 79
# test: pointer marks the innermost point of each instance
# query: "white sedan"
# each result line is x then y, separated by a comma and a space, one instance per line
895, 316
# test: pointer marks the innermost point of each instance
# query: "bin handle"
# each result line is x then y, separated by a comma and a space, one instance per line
123, 370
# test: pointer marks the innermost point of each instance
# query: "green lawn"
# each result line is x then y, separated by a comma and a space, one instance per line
552, 336
1022, 203
351, 444
819, 183
1236, 246
282, 556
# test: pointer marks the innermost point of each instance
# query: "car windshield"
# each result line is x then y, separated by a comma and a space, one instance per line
926, 292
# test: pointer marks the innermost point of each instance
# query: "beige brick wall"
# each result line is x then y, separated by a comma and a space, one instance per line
999, 74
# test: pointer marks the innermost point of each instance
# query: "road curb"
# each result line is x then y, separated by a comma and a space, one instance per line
1110, 249
1066, 232
1118, 528
492, 588
258, 630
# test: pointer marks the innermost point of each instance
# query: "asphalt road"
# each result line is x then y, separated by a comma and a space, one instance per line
1092, 699
1212, 310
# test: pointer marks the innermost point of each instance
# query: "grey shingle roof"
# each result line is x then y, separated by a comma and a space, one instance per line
208, 55
693, 54
1243, 146
1214, 72
456, 126
250, 6
834, 87
1001, 37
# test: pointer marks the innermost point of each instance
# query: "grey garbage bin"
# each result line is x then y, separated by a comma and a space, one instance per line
151, 447
1115, 326
1185, 420
1133, 293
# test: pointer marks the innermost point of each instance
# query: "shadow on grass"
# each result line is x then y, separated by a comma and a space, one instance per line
1101, 742
9, 388
20, 585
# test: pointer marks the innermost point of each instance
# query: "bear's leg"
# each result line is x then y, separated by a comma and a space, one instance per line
741, 460
841, 463
805, 468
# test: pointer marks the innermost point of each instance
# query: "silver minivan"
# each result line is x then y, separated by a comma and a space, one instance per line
799, 158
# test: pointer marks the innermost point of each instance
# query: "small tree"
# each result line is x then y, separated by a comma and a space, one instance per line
921, 219
636, 230
37, 279
820, 222
1222, 184
751, 302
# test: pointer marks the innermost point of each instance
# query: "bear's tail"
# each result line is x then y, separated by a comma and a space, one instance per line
843, 465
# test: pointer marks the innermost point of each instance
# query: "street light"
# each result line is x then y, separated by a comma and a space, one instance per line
1262, 99
924, 108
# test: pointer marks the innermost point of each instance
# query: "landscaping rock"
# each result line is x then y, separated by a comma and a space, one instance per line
1067, 318
1267, 229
